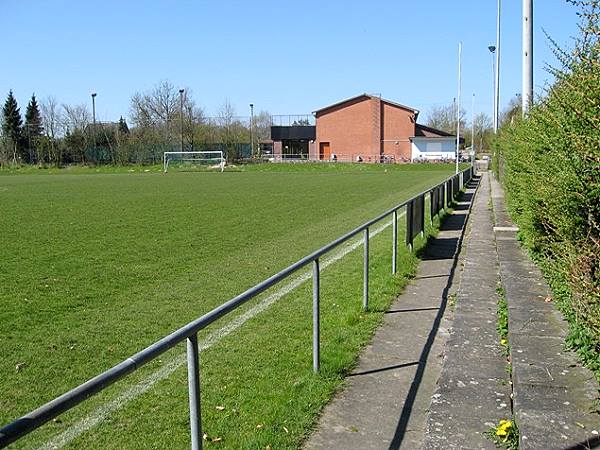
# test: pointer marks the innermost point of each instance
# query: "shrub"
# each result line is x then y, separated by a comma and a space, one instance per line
550, 164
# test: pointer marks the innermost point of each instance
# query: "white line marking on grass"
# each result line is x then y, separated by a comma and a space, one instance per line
102, 412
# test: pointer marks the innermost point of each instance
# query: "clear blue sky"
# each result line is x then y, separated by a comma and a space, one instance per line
285, 57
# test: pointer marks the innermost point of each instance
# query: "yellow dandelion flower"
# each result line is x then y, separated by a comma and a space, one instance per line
503, 342
503, 427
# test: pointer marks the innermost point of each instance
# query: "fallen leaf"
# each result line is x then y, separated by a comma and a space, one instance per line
259, 426
220, 408
204, 436
268, 447
548, 299
580, 425
19, 366
285, 429
216, 439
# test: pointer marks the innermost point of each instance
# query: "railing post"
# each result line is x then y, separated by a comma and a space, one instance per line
194, 391
432, 205
422, 212
366, 271
395, 241
316, 319
409, 224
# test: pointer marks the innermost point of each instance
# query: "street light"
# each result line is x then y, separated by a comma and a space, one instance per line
181, 115
94, 117
492, 49
252, 129
497, 74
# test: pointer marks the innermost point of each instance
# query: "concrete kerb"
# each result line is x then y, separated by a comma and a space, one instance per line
553, 394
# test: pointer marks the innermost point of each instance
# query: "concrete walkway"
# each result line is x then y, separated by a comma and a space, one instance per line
554, 396
387, 396
435, 377
473, 392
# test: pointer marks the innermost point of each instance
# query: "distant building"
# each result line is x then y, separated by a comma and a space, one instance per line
432, 145
365, 128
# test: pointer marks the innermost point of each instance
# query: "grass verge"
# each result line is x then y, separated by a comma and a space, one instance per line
116, 260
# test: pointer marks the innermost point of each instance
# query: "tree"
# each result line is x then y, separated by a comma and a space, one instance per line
156, 116
52, 120
444, 118
483, 131
262, 126
12, 125
33, 129
123, 153
301, 122
158, 106
76, 125
226, 119
122, 127
512, 111
77, 117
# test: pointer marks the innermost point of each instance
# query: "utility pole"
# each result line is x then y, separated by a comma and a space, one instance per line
181, 91
458, 108
252, 129
492, 49
527, 87
94, 117
473, 128
497, 75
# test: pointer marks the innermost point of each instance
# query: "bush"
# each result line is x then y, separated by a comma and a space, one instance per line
550, 166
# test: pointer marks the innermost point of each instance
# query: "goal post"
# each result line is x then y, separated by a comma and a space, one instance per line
213, 159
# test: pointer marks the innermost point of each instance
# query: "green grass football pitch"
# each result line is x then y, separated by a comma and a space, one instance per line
97, 266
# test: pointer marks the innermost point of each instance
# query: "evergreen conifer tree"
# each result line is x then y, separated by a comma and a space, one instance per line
12, 124
33, 128
122, 127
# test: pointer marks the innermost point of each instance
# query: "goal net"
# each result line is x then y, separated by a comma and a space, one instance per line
214, 160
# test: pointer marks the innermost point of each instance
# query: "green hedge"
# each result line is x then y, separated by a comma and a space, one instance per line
550, 166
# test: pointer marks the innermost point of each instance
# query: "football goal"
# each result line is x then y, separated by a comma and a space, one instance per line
206, 159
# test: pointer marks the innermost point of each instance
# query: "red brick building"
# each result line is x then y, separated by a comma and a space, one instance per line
367, 128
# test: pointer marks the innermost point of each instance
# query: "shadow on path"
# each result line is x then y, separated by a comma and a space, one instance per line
383, 369
433, 308
444, 248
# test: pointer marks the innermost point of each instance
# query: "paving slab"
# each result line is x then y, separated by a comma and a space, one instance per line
385, 400
554, 396
473, 391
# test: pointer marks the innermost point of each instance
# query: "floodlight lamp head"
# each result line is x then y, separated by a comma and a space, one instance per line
181, 91
492, 48
94, 94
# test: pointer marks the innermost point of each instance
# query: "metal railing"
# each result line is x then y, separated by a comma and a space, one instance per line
415, 224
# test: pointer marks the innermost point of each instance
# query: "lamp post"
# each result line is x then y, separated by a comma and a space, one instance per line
473, 128
458, 108
94, 117
252, 129
181, 91
492, 49
497, 74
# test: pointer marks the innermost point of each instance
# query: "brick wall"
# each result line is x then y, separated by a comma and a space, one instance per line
366, 126
351, 129
398, 125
